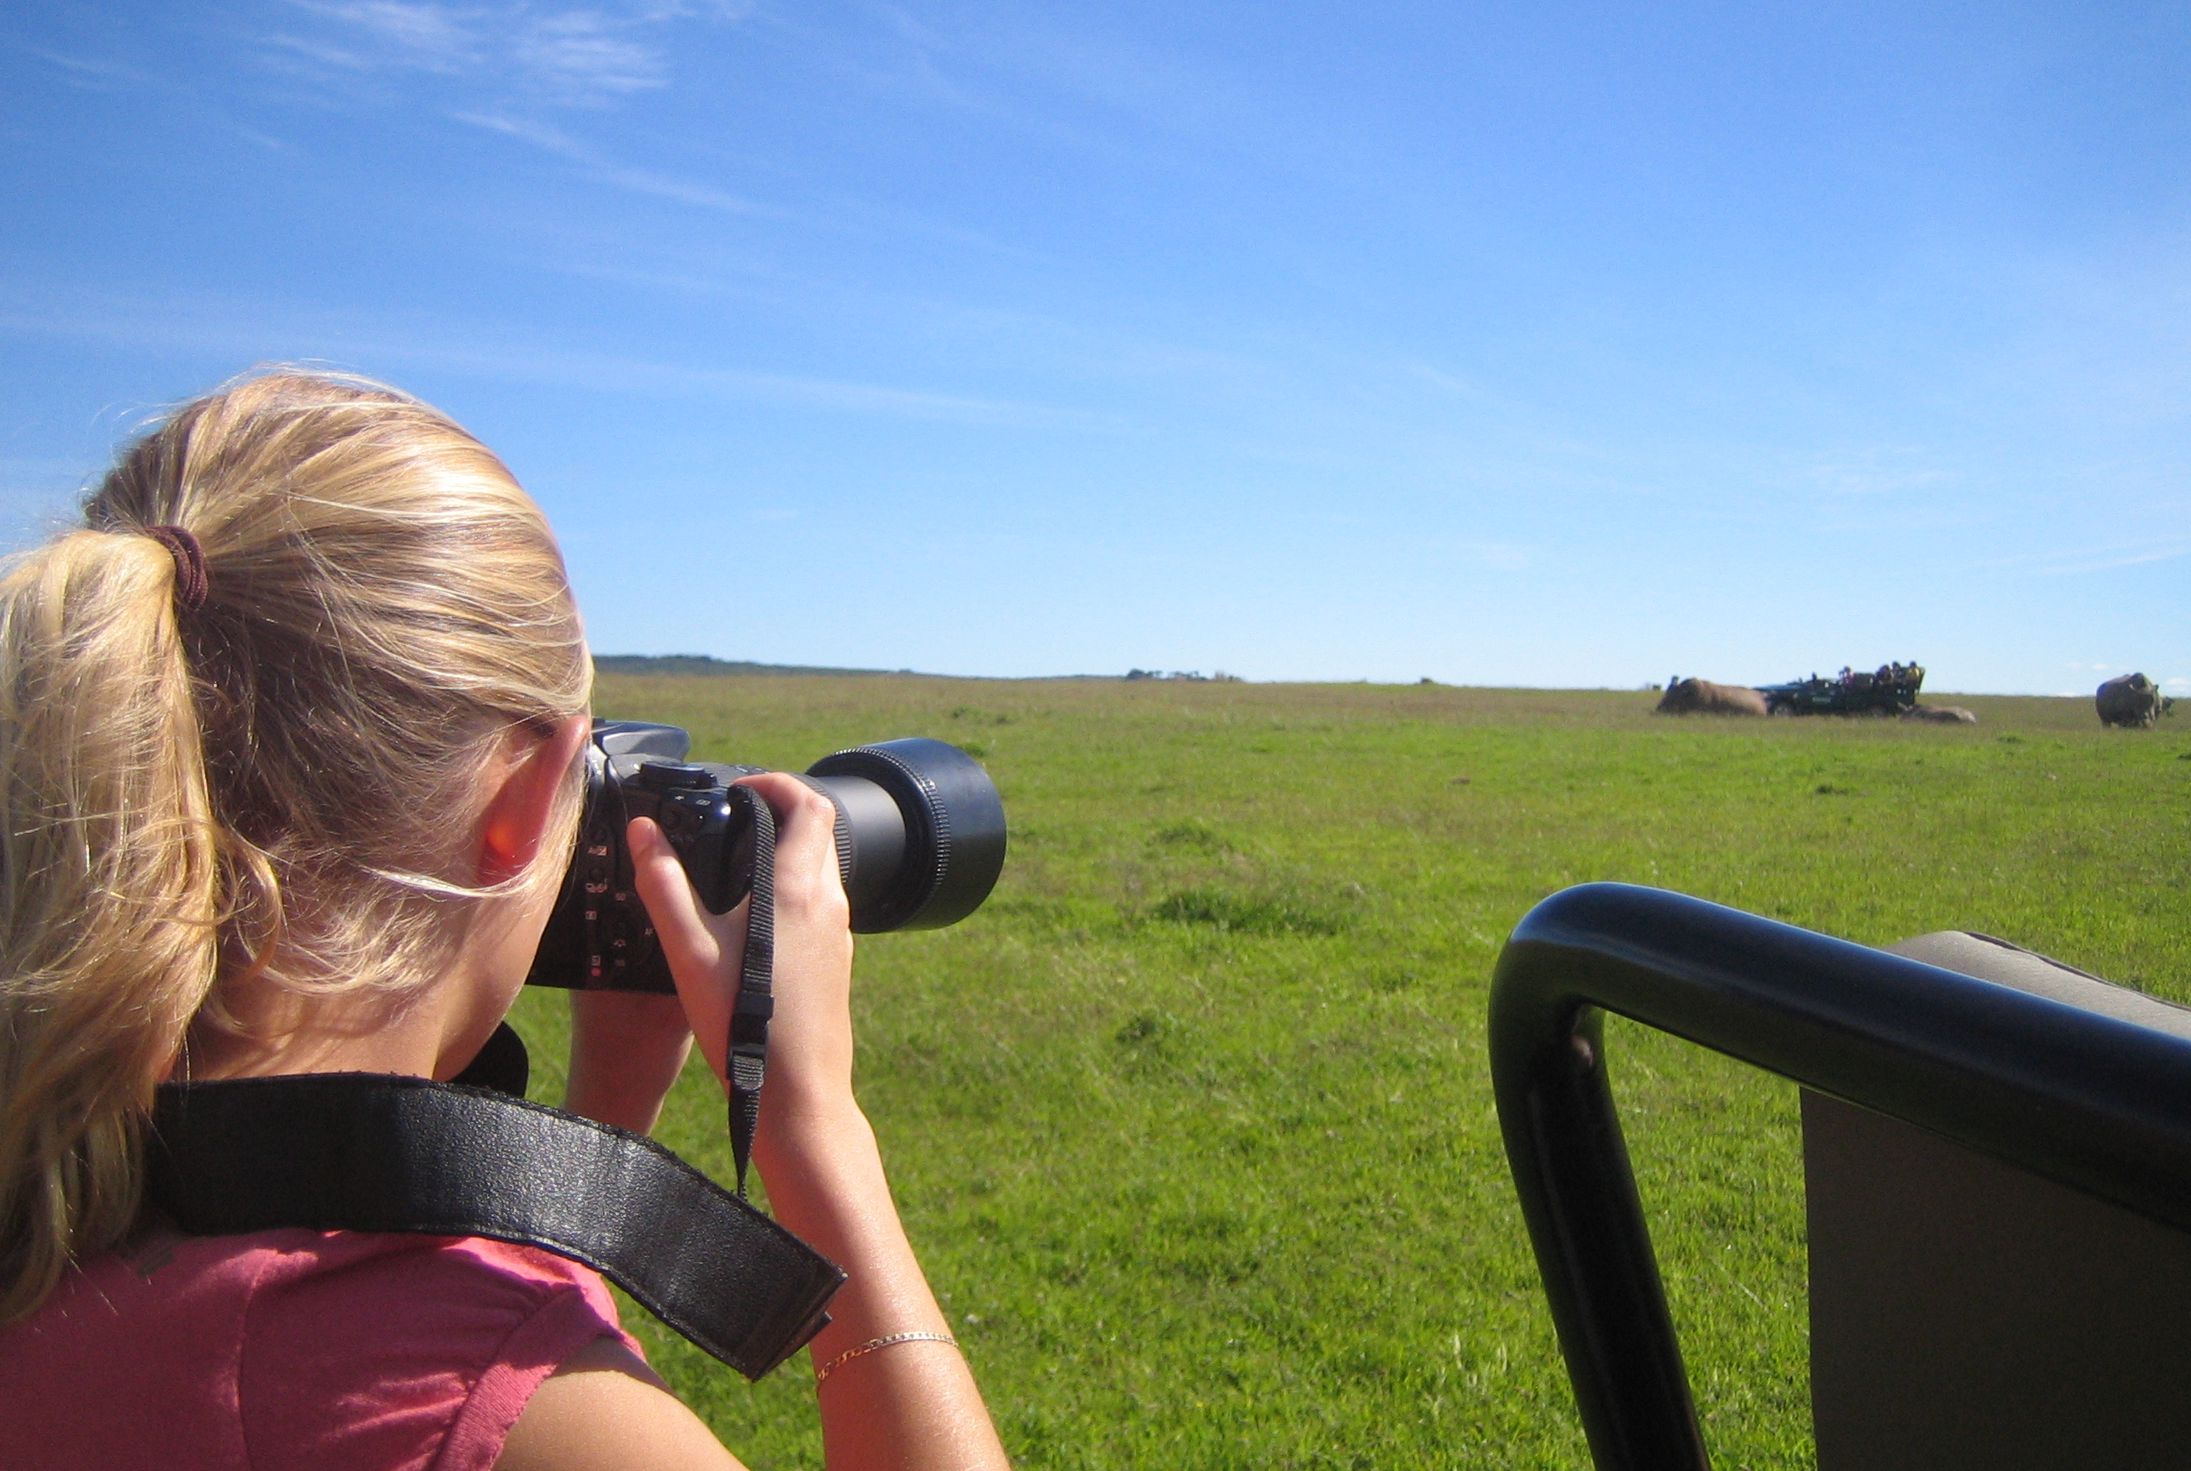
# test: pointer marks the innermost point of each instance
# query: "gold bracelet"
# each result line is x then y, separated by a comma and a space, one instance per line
917, 1336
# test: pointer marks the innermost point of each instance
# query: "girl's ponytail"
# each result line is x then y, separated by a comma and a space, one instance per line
110, 888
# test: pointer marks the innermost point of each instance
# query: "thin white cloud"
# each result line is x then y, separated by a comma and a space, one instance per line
530, 130
264, 139
291, 51
1458, 385
97, 75
648, 11
621, 374
395, 33
2083, 561
517, 65
658, 185
254, 332
581, 56
579, 53
853, 212
1878, 473
593, 163
1071, 87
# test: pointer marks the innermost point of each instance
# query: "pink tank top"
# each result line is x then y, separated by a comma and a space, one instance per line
336, 1350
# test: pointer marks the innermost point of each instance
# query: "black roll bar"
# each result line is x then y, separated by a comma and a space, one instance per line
2101, 1105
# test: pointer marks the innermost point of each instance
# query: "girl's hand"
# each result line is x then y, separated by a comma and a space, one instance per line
810, 1036
913, 1406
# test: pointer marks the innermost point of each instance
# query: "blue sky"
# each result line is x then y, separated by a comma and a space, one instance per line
1560, 344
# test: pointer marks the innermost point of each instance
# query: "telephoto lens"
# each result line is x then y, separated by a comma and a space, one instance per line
920, 842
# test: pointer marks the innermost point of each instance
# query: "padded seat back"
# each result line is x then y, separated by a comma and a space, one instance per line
1965, 1313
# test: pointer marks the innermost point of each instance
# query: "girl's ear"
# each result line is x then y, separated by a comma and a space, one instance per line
531, 771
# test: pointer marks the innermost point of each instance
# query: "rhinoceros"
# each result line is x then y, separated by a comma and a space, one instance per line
1702, 697
1941, 714
2129, 700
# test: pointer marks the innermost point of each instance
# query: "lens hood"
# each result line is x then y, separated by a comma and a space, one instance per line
920, 832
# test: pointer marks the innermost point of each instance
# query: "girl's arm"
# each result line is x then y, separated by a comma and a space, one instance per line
627, 1048
910, 1405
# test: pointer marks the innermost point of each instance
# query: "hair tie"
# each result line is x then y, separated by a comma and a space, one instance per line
191, 584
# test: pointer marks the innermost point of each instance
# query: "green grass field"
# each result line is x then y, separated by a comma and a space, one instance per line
1191, 1121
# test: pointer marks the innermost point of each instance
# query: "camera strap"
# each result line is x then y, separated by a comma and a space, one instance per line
746, 1060
372, 1152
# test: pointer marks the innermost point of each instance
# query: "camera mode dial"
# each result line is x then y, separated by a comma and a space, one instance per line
665, 776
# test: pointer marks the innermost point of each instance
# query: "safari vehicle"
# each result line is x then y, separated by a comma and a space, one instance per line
1995, 1151
1889, 690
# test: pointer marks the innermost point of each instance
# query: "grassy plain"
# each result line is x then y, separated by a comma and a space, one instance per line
1191, 1120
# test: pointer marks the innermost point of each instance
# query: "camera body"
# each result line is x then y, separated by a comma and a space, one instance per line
919, 827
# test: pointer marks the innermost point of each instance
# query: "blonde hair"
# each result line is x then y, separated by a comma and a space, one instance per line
275, 787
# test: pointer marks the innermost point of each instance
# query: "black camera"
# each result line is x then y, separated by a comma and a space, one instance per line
920, 841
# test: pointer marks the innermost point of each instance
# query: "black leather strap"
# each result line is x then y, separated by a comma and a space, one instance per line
746, 1059
370, 1152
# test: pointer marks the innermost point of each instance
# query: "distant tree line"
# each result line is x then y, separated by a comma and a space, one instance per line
706, 664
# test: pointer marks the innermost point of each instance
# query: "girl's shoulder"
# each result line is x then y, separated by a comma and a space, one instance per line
391, 1277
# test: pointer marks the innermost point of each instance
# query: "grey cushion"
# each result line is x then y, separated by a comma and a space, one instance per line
1995, 960
1968, 1314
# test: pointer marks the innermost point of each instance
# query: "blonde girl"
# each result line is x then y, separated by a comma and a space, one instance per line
290, 738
